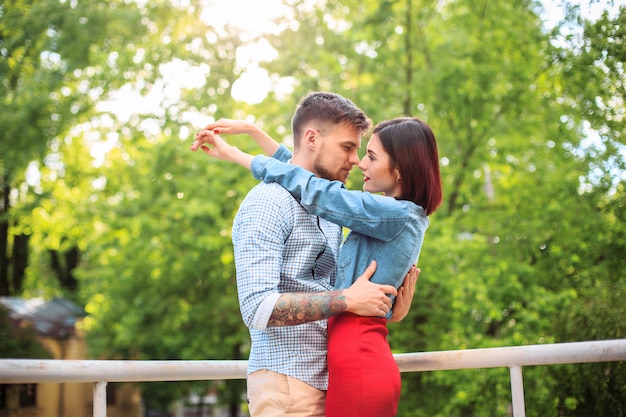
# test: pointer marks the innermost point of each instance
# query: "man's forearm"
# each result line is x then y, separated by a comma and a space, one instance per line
297, 308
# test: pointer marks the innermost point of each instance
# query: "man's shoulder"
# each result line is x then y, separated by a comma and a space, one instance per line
267, 207
269, 194
270, 203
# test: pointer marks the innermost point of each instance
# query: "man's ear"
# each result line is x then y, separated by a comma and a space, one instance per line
310, 138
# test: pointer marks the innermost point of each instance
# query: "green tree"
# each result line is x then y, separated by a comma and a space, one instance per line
160, 264
19, 341
528, 247
592, 64
59, 59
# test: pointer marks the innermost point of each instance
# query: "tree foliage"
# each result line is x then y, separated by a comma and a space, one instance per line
517, 244
528, 247
106, 190
19, 340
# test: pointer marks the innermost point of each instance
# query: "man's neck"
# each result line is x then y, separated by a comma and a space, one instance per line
303, 161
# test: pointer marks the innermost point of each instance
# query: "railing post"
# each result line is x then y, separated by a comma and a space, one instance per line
100, 399
517, 391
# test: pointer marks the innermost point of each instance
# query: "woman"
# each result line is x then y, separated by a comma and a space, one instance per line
402, 163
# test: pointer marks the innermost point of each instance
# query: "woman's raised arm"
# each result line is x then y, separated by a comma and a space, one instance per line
245, 127
214, 145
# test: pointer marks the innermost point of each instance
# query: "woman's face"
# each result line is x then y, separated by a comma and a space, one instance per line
379, 176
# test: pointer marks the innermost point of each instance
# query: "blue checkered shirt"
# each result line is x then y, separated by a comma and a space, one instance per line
280, 248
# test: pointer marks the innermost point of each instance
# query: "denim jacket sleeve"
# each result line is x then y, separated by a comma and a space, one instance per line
373, 215
282, 154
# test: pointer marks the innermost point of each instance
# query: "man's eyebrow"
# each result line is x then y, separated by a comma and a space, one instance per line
350, 144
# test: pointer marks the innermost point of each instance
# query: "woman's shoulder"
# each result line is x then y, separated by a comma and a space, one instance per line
392, 207
416, 209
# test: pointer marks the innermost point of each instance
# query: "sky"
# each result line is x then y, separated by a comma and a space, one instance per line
248, 15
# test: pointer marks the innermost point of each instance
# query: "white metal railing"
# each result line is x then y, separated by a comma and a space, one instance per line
100, 372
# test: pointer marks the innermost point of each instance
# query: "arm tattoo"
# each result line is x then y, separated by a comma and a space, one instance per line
297, 308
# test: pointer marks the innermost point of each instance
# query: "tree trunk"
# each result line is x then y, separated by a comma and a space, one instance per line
64, 272
19, 262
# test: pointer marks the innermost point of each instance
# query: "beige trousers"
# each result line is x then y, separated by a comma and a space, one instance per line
271, 394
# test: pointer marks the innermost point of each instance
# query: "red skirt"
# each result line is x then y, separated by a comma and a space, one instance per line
364, 379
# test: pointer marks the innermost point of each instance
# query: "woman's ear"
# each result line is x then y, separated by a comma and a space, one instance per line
396, 173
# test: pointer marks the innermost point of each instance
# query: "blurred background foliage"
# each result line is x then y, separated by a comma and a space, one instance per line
104, 204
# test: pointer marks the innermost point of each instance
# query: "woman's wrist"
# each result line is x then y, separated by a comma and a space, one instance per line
240, 157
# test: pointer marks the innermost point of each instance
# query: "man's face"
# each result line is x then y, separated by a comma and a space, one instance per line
337, 153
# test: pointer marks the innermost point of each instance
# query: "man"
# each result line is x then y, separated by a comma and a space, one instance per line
286, 262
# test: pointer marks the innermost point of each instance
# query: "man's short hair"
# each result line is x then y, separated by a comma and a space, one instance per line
328, 110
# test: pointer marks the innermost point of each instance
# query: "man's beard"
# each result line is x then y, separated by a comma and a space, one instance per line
322, 172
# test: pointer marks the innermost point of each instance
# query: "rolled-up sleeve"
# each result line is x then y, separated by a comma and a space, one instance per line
259, 232
264, 312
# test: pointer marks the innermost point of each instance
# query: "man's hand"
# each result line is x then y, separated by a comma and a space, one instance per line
365, 298
404, 299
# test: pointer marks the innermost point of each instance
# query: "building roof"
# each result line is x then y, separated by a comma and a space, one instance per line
53, 318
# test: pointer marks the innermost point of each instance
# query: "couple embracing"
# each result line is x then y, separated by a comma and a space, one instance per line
317, 306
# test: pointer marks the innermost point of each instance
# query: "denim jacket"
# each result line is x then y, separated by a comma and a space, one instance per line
383, 229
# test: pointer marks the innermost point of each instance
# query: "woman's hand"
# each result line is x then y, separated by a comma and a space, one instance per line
225, 126
232, 127
402, 305
214, 145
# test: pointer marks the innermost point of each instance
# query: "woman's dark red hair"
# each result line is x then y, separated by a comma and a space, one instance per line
412, 149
